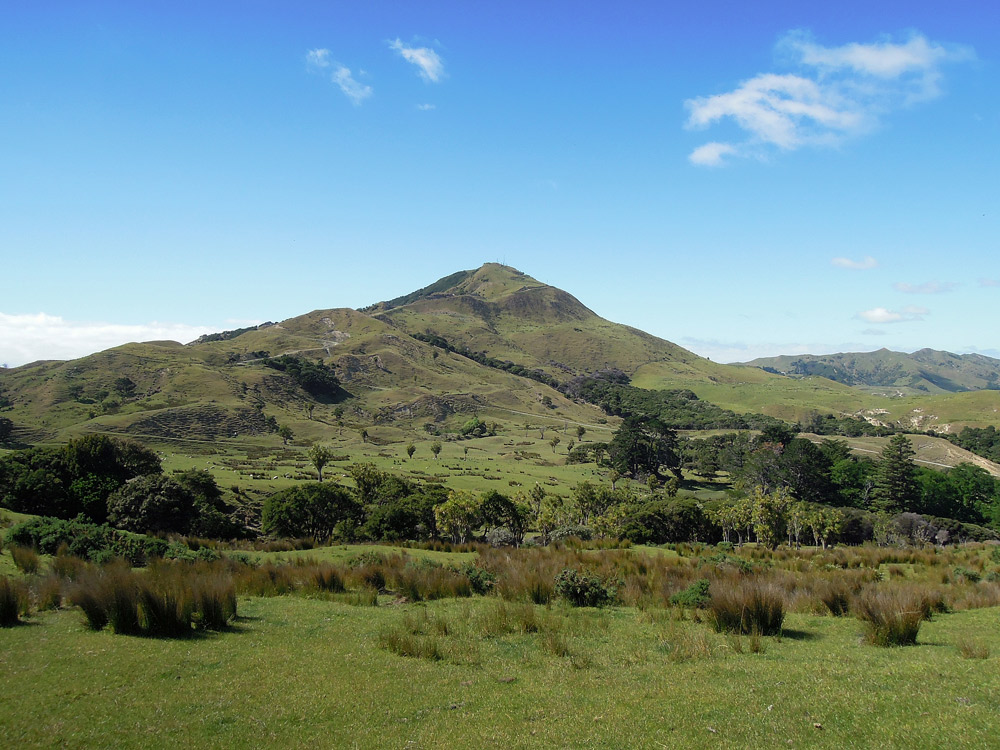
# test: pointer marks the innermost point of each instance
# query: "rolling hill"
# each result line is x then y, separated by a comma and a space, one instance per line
923, 371
395, 379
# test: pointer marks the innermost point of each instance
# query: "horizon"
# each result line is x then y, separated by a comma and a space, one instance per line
796, 180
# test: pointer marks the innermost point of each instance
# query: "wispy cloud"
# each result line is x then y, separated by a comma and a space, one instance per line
855, 265
711, 154
989, 282
426, 107
26, 338
882, 315
319, 61
834, 93
929, 287
429, 63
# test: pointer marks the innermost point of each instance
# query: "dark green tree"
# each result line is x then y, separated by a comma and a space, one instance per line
895, 487
310, 510
644, 446
152, 503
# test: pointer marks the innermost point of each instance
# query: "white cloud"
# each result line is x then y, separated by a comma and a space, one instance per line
856, 265
881, 315
837, 93
711, 154
319, 61
929, 287
318, 58
428, 62
426, 107
989, 282
26, 338
356, 92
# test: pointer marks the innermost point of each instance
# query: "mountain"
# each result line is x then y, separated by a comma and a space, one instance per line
511, 316
924, 371
490, 341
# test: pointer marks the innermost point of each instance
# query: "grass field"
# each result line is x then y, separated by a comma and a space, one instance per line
296, 671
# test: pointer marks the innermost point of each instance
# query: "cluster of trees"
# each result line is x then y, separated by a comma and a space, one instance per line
847, 426
102, 479
315, 378
829, 473
484, 359
983, 441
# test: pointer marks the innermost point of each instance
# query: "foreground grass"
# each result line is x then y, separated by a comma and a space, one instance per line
296, 672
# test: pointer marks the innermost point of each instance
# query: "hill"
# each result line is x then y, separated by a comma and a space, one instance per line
491, 341
923, 371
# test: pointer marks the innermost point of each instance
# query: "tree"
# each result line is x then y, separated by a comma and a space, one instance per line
805, 470
410, 450
364, 435
498, 510
459, 515
319, 456
6, 429
769, 515
436, 449
285, 433
309, 510
580, 432
895, 486
152, 503
554, 442
644, 446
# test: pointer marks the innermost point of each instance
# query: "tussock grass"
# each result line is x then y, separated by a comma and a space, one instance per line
746, 607
26, 559
892, 617
972, 648
11, 602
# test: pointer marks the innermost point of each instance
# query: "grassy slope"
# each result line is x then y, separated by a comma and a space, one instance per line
746, 389
297, 673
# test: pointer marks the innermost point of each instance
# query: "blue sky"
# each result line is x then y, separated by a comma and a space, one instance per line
744, 179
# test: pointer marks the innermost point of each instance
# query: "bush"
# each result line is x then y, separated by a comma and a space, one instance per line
746, 607
892, 618
582, 589
694, 596
482, 581
583, 533
51, 536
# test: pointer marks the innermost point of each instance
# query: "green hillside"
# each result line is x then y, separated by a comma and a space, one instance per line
221, 386
924, 371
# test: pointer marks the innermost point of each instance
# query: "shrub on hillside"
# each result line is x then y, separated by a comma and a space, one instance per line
583, 589
695, 596
51, 536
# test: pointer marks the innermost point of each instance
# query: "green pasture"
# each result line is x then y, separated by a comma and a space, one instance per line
294, 672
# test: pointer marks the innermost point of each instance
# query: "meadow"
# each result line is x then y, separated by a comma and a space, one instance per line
376, 646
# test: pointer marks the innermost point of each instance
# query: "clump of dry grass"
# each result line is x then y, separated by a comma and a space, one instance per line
748, 606
892, 617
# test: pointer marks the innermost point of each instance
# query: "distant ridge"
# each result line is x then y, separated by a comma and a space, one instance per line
926, 370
